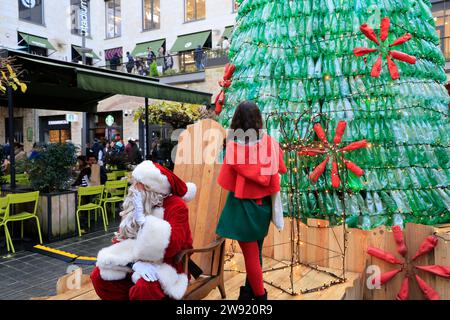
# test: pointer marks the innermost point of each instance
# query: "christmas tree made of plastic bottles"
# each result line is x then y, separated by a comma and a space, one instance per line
296, 60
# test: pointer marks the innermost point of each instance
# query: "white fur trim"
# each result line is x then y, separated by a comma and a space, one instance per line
158, 212
111, 274
148, 174
119, 254
152, 240
173, 284
277, 211
191, 192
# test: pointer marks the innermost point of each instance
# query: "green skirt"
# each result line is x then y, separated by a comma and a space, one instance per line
245, 220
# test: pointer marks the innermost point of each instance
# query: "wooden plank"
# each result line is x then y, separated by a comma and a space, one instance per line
318, 238
63, 220
55, 216
71, 210
442, 257
414, 235
336, 246
43, 214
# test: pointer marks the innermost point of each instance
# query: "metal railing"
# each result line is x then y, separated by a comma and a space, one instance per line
183, 63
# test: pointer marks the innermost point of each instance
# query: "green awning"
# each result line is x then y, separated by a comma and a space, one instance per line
91, 54
36, 41
139, 87
62, 85
228, 32
141, 48
190, 41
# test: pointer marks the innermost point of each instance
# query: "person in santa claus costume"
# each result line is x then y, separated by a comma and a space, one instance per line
250, 171
140, 265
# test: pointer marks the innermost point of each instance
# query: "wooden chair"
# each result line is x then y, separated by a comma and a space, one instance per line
205, 209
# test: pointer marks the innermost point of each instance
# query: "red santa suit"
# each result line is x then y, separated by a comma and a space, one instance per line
163, 235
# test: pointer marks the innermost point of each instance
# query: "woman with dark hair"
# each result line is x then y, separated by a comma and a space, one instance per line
250, 172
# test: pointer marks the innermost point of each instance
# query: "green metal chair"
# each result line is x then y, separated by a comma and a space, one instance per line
3, 205
19, 198
115, 191
21, 178
120, 174
111, 176
96, 193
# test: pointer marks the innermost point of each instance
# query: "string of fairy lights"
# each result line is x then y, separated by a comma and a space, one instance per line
292, 146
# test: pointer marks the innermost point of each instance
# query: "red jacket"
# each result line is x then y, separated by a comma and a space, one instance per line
252, 171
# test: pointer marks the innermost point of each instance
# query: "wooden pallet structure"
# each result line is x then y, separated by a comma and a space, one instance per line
320, 244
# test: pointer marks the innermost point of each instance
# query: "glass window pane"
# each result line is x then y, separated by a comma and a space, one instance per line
201, 9
113, 19
31, 10
118, 18
190, 10
151, 14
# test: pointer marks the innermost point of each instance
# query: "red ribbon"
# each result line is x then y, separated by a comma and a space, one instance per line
403, 294
356, 145
383, 255
339, 132
427, 245
393, 70
385, 25
335, 179
320, 133
376, 69
399, 240
311, 152
385, 277
401, 40
359, 52
319, 170
225, 83
426, 289
441, 271
403, 57
368, 31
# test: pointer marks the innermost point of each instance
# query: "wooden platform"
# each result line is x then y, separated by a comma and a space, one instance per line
305, 278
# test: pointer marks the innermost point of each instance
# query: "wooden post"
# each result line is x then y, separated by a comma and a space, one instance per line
12, 166
147, 132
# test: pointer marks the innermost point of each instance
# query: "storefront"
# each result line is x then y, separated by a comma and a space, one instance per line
185, 46
104, 125
34, 44
54, 129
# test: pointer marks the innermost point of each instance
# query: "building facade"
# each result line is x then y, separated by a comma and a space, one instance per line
101, 30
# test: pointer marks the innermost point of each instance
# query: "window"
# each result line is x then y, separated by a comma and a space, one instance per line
18, 129
113, 19
81, 17
32, 11
194, 10
151, 14
441, 13
235, 6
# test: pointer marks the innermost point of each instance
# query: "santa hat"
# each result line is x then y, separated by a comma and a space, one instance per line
161, 180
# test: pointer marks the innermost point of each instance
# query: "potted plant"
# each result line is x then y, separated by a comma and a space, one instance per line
50, 172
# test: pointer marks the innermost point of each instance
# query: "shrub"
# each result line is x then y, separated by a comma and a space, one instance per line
51, 170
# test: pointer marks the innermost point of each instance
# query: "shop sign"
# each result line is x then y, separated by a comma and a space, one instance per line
109, 120
57, 122
70, 117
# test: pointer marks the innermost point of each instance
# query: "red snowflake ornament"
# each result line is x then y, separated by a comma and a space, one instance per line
428, 245
385, 50
332, 151
224, 84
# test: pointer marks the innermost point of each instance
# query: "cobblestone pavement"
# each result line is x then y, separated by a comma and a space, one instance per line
25, 274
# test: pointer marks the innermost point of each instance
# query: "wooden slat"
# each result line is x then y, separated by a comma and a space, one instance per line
63, 213
55, 216
442, 257
71, 209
